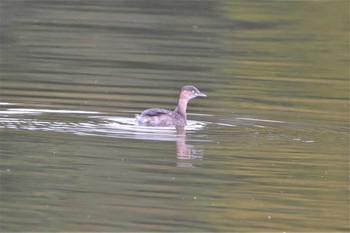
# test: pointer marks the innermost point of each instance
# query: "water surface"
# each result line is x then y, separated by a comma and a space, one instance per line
267, 150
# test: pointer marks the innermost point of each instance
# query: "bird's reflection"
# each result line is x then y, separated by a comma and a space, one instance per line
185, 151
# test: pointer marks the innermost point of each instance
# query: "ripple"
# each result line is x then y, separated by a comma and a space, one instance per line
92, 124
39, 111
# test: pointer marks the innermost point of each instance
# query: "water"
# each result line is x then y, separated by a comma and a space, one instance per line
267, 150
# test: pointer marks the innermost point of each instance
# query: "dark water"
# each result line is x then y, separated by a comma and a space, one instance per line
267, 150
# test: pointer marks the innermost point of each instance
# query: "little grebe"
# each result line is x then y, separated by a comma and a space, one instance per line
162, 117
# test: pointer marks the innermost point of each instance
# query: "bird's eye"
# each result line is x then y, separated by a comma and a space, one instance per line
193, 92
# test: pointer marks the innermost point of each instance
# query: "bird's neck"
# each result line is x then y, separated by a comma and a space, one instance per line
181, 107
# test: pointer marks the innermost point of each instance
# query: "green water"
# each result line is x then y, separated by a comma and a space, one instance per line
266, 151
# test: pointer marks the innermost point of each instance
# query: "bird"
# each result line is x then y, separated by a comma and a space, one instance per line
163, 117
